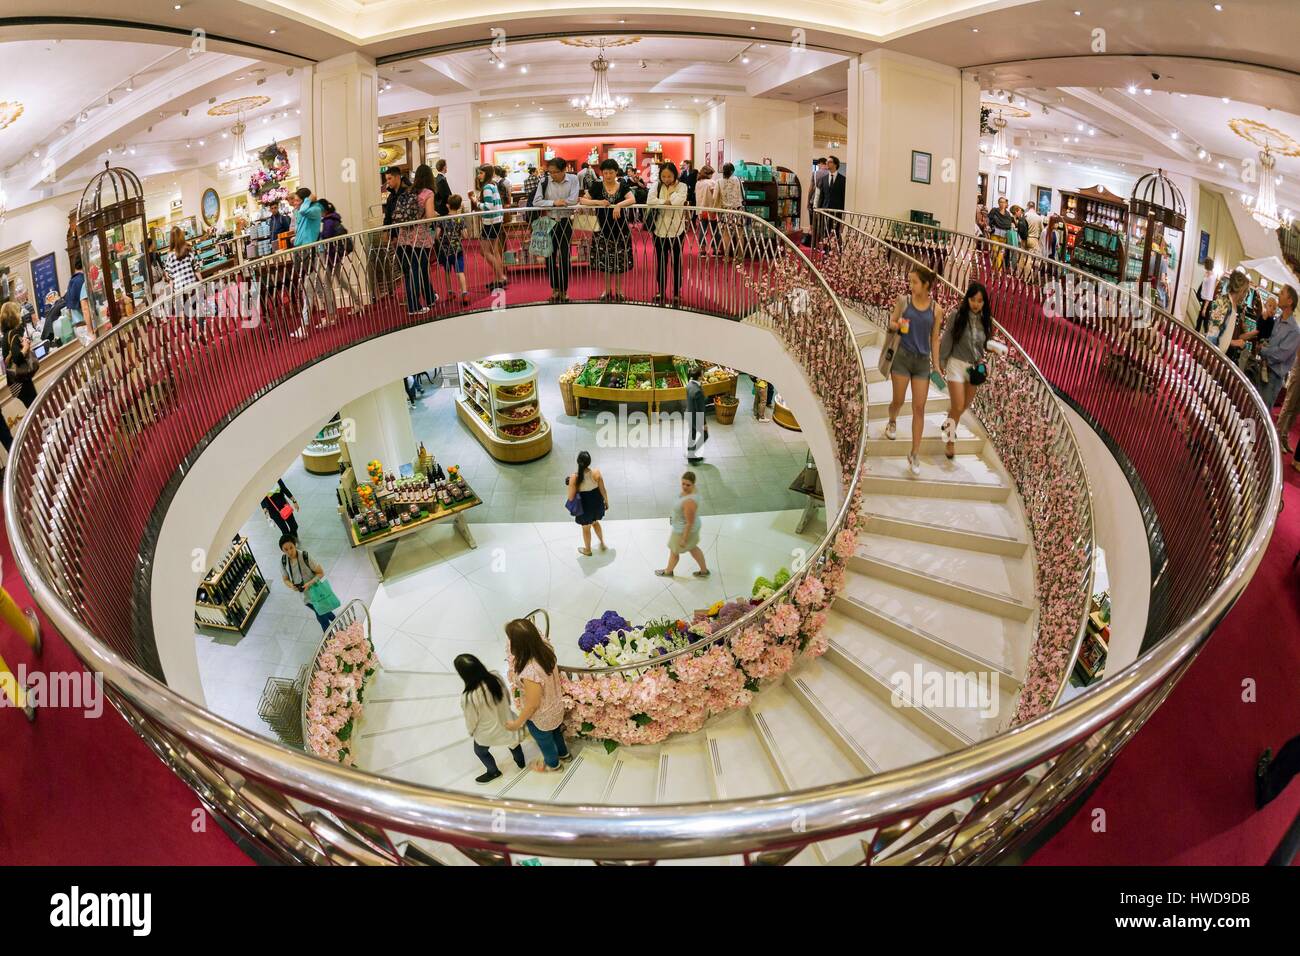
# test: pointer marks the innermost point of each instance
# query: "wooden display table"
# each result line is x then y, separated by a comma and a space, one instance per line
386, 540
618, 368
782, 415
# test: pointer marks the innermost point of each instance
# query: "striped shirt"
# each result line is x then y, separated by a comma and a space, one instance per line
180, 271
490, 201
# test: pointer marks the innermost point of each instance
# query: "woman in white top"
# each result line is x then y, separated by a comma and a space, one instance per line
487, 712
587, 485
668, 227
709, 199
537, 676
732, 194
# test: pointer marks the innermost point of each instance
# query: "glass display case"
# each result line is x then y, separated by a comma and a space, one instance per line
1157, 219
113, 236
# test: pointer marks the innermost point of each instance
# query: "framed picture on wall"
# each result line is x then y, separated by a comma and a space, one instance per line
516, 161
921, 167
625, 156
1204, 248
1002, 186
708, 152
1043, 199
45, 278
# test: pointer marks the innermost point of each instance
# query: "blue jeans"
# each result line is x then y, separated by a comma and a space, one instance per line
550, 743
489, 762
1270, 391
324, 620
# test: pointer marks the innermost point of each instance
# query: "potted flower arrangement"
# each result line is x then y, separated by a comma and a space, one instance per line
266, 185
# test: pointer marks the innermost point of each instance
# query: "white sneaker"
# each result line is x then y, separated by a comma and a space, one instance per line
948, 430
914, 466
891, 430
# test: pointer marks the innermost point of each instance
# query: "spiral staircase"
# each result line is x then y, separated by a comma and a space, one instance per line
824, 766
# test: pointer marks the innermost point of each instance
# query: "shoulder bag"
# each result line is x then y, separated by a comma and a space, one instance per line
541, 244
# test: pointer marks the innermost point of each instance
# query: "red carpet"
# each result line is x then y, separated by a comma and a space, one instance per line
1182, 790
77, 790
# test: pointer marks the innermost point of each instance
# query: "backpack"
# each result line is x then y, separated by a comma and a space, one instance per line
407, 207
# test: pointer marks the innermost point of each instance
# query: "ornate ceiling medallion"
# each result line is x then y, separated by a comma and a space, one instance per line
245, 104
593, 43
9, 111
1265, 137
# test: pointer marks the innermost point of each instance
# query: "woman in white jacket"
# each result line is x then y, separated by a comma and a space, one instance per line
487, 712
668, 227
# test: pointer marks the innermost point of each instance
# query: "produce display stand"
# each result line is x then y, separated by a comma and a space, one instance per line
386, 539
782, 415
493, 402
637, 379
231, 594
321, 457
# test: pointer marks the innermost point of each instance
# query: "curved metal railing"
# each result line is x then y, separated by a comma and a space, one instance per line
1034, 442
132, 396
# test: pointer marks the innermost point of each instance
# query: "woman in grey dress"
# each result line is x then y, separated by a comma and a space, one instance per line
685, 534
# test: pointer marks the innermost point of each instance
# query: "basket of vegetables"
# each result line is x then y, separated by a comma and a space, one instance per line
724, 408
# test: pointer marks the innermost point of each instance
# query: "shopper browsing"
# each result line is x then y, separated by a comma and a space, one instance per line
732, 196
917, 355
685, 533
558, 193
612, 245
668, 227
1226, 312
709, 200
487, 713
450, 248
302, 574
20, 364
280, 505
587, 487
966, 335
695, 408
537, 677
336, 261
441, 189
490, 201
415, 242
1278, 355
1205, 295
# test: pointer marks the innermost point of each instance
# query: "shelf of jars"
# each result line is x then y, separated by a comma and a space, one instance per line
498, 401
640, 379
321, 457
231, 594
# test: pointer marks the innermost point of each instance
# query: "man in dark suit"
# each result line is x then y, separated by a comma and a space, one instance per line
441, 189
819, 176
689, 176
830, 195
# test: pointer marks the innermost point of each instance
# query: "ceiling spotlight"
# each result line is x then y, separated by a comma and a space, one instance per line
744, 59
130, 85
1132, 89
201, 143
1091, 131
272, 33
1147, 91
1078, 13
523, 69
188, 144
1174, 134
1226, 100
1218, 8
489, 116
974, 29
224, 135
132, 150
501, 64
176, 6
1220, 165
752, 29
1201, 154
37, 154
1079, 127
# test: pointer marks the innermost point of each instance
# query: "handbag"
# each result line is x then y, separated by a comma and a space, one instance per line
574, 506
286, 511
541, 244
586, 222
978, 373
887, 353
322, 598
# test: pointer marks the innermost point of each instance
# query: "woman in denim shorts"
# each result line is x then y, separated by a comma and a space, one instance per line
918, 354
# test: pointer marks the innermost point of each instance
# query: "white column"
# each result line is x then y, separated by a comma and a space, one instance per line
339, 154
898, 104
458, 144
380, 425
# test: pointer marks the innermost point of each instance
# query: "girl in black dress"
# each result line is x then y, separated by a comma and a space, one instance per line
586, 483
611, 247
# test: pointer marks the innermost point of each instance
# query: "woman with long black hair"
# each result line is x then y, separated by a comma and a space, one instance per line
966, 335
588, 486
487, 712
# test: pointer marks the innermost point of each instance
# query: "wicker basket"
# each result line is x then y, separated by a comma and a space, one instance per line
724, 409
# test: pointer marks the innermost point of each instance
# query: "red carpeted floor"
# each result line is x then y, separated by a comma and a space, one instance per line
1182, 790
76, 789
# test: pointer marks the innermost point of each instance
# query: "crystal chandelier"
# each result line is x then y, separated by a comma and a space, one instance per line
238, 161
600, 103
999, 153
1263, 207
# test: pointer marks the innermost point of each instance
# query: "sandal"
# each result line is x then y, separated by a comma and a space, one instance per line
701, 574
585, 551
950, 449
891, 430
540, 767
661, 573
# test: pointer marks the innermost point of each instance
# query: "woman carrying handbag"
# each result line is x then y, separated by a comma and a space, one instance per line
20, 364
587, 500
305, 576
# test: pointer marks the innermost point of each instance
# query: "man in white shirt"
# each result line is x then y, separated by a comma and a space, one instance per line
1205, 295
558, 194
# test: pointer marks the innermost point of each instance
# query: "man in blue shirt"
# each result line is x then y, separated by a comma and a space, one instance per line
558, 194
1280, 352
306, 219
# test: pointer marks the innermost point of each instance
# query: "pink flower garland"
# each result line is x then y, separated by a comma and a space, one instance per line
335, 690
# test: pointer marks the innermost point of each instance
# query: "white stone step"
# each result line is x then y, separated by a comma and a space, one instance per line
884, 665
591, 767
404, 684
408, 712
633, 780
874, 728
741, 767
535, 786
932, 444
804, 755
991, 527
685, 774
986, 582
968, 477
865, 332
960, 636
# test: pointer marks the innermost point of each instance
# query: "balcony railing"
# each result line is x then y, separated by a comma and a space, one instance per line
123, 422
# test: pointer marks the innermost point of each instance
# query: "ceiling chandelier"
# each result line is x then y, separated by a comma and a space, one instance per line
1272, 142
238, 161
600, 103
999, 153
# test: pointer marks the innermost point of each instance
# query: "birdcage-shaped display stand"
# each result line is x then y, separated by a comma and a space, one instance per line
113, 237
1156, 222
